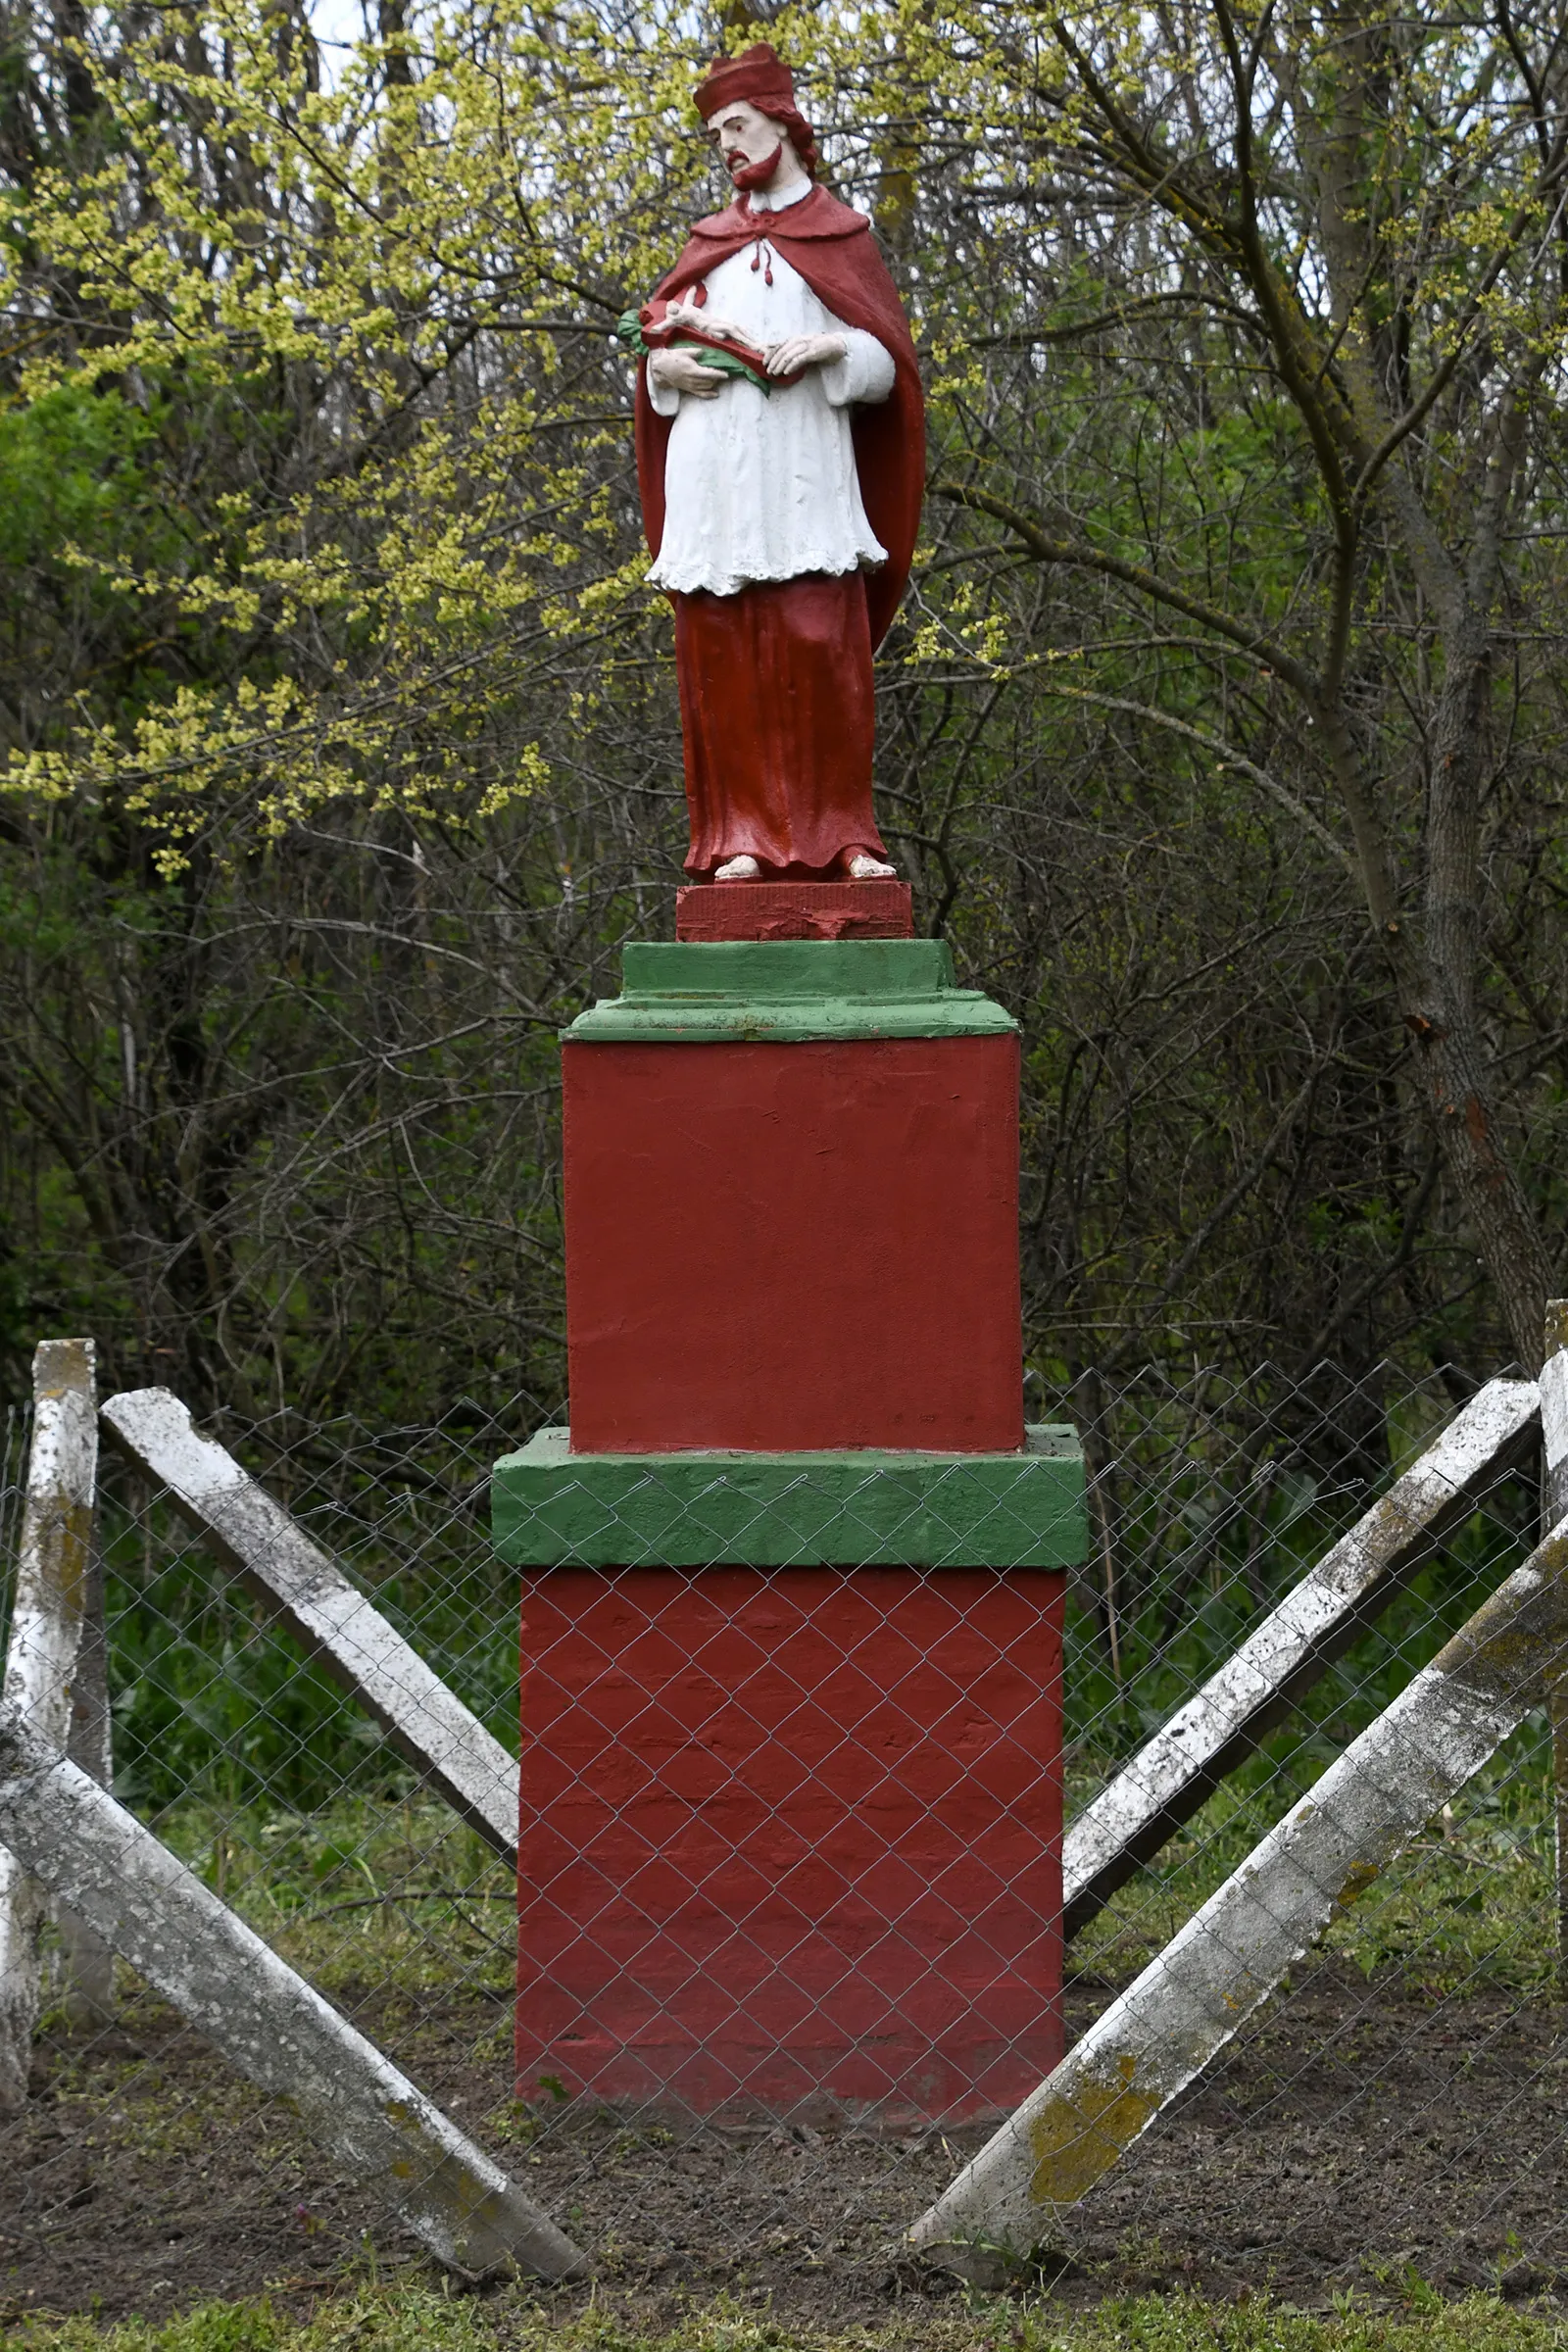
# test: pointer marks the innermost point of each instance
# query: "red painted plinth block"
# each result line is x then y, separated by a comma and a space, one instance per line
790, 1841
784, 1248
795, 910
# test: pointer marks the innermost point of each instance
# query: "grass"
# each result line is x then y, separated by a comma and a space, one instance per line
363, 1891
212, 1702
1470, 1903
399, 1902
399, 1894
215, 1703
288, 1800
396, 1895
1167, 1649
417, 2318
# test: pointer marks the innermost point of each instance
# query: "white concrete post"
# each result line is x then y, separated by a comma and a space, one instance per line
265, 2019
89, 1963
332, 1620
1555, 1506
46, 1622
1164, 1783
1167, 2026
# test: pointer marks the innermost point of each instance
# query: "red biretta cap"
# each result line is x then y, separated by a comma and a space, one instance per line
759, 75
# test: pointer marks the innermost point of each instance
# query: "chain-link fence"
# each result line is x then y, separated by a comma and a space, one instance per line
1394, 2114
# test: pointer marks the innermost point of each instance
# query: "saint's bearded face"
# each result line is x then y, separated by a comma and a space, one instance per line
751, 143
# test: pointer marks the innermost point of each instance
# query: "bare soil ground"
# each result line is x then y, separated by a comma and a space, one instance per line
1356, 2138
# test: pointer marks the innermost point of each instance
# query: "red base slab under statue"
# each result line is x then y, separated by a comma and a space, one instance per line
788, 1246
795, 910
790, 1840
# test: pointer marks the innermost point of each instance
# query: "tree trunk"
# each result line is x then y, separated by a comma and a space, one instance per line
1445, 1017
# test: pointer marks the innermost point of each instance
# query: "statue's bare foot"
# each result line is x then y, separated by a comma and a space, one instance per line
740, 870
861, 867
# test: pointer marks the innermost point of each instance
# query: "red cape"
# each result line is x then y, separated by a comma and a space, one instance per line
832, 247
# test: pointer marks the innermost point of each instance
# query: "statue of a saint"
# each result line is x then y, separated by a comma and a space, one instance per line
780, 453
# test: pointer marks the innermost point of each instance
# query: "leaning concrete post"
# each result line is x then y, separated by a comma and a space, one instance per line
1187, 2003
309, 1594
265, 2019
89, 1963
1553, 1507
1164, 1783
52, 1575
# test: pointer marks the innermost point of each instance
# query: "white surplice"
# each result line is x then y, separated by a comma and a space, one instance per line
759, 485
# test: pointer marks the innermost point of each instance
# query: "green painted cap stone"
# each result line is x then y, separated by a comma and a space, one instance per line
695, 992
551, 1507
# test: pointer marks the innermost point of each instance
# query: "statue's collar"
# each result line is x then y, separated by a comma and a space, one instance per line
814, 215
760, 201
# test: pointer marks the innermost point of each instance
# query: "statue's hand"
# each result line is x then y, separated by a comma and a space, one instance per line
804, 351
681, 370
687, 313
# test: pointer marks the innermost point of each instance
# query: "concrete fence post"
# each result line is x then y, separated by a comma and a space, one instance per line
1553, 1508
90, 1964
1165, 1783
53, 1572
381, 2131
293, 1579
1153, 2041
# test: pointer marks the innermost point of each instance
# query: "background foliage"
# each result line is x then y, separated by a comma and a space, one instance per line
342, 740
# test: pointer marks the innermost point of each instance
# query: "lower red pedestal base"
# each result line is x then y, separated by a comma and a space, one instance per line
790, 1840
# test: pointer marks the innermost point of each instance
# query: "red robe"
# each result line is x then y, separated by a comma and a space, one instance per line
779, 750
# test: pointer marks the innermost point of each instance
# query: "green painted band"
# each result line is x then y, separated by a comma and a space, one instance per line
551, 1507
788, 967
788, 991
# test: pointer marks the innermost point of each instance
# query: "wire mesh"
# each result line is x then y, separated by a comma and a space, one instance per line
870, 1785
